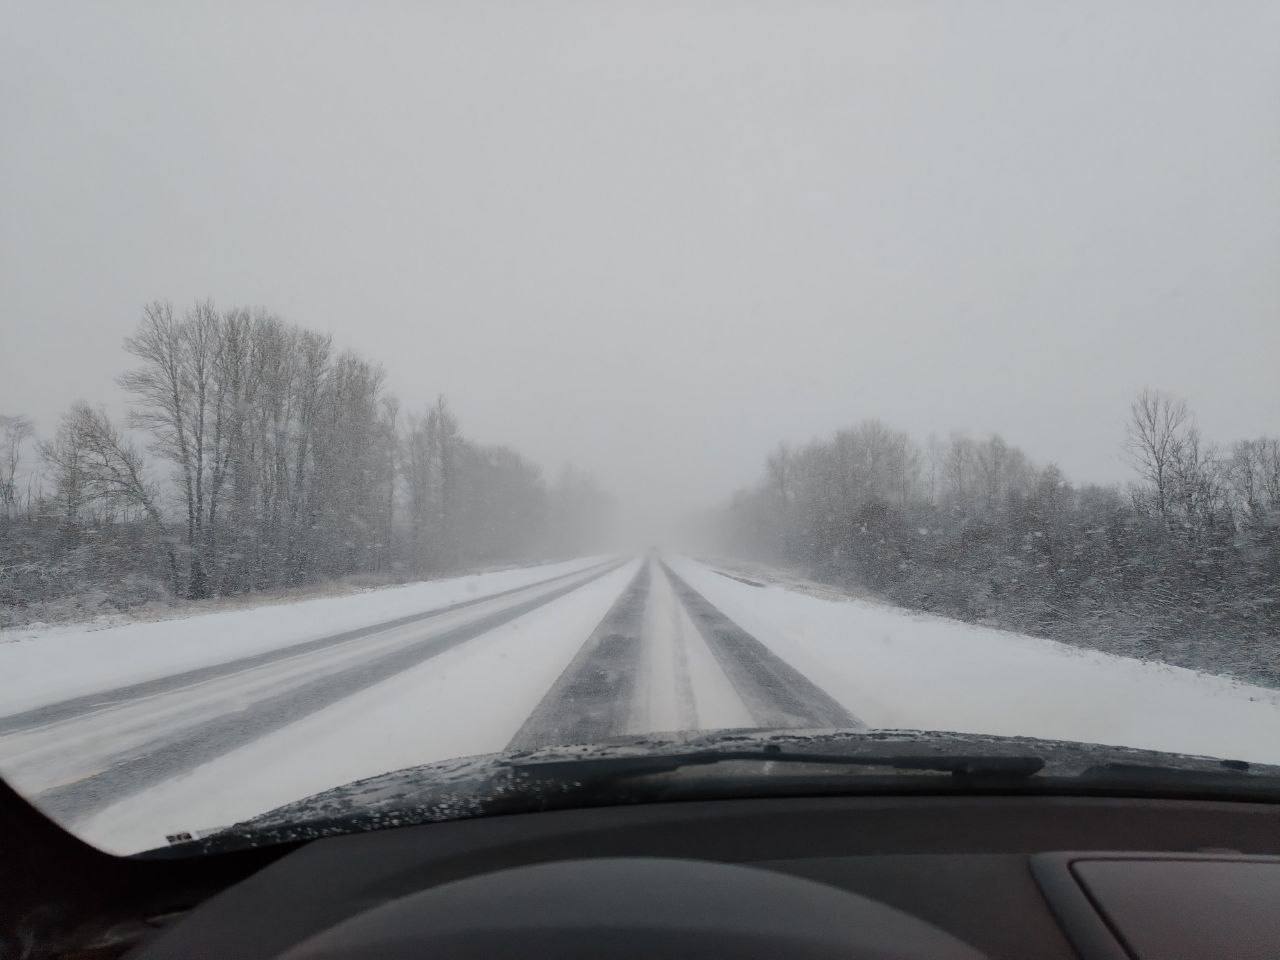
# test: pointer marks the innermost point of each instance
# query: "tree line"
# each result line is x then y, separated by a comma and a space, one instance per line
258, 456
1183, 564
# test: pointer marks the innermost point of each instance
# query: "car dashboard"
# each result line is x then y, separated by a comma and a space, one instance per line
907, 876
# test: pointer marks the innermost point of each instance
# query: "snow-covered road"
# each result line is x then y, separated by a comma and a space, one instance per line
138, 732
80, 754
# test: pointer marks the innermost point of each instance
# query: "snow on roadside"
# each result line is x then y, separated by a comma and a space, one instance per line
73, 660
896, 669
759, 574
468, 700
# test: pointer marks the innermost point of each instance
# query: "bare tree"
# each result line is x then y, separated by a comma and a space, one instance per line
991, 462
111, 470
417, 466
780, 479
389, 460
1197, 489
958, 468
288, 465
1253, 473
444, 437
179, 398
935, 463
905, 464
15, 431
1157, 426
63, 457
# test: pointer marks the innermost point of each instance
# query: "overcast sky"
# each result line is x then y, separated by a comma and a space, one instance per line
656, 238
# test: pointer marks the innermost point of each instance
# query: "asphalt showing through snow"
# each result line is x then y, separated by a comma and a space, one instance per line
776, 693
613, 685
591, 701
93, 702
593, 698
169, 756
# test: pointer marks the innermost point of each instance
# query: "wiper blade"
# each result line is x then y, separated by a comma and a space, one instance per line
623, 767
655, 767
1146, 774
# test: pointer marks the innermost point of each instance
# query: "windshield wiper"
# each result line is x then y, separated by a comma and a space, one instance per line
622, 767
1225, 772
650, 769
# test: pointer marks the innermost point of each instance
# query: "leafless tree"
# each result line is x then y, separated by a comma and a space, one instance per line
1253, 473
288, 465
934, 467
958, 468
1157, 426
109, 469
15, 431
63, 457
175, 400
1197, 487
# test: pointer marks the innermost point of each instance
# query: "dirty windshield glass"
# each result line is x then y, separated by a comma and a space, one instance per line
441, 387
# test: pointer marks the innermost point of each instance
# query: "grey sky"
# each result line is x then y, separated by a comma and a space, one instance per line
656, 238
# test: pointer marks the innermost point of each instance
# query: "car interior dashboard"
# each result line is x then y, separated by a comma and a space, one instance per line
962, 876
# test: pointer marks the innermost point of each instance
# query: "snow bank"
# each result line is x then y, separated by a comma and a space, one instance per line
77, 659
892, 668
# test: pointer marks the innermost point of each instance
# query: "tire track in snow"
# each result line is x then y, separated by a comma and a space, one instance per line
169, 756
687, 703
774, 692
666, 701
93, 702
593, 698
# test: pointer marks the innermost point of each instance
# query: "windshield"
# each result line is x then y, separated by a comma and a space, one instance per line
387, 386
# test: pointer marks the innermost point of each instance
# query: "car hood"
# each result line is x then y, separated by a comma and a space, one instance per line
504, 783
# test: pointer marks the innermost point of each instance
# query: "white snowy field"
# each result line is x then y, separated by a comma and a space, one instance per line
888, 667
59, 662
896, 669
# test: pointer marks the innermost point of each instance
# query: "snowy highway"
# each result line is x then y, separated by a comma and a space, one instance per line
84, 753
665, 659
184, 725
661, 658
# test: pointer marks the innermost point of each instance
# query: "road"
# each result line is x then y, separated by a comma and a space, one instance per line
132, 734
637, 673
661, 658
